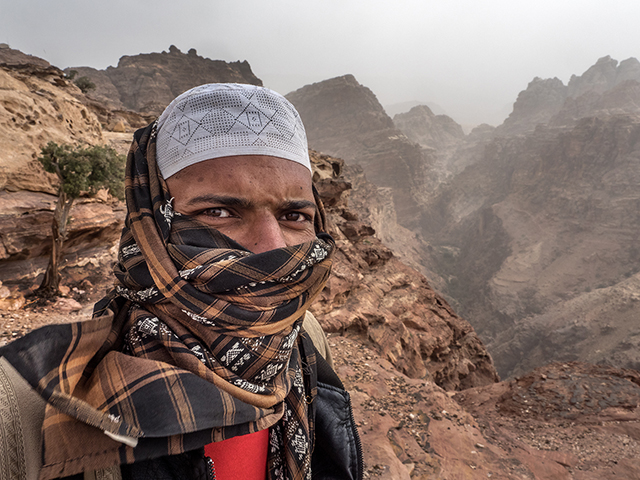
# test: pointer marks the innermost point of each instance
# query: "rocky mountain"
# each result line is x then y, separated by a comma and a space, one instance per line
345, 119
146, 83
606, 87
423, 385
525, 228
432, 131
374, 296
535, 234
38, 105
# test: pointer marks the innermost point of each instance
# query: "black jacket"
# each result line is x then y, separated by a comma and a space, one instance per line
337, 453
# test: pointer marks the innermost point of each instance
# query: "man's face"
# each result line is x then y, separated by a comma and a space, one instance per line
261, 202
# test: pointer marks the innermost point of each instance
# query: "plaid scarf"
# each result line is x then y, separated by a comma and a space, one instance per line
200, 341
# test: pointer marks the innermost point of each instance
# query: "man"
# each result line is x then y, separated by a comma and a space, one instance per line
197, 364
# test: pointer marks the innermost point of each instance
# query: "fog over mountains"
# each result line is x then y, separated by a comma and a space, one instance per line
525, 227
526, 234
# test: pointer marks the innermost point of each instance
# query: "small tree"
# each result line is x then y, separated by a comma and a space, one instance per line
80, 171
85, 84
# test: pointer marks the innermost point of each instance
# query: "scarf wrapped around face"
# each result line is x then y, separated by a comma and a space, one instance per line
200, 341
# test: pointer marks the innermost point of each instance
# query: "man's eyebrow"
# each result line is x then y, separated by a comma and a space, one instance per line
229, 201
299, 205
220, 200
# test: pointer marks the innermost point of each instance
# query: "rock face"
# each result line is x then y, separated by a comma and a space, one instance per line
15, 58
560, 422
535, 235
423, 386
606, 87
344, 119
376, 297
422, 126
148, 82
537, 104
519, 225
38, 105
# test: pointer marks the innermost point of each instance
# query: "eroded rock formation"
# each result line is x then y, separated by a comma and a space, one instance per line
422, 126
374, 296
38, 105
400, 348
541, 222
345, 119
147, 82
606, 87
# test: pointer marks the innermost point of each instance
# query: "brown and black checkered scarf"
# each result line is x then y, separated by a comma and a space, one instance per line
200, 341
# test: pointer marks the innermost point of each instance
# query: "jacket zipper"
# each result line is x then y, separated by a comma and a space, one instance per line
356, 435
211, 470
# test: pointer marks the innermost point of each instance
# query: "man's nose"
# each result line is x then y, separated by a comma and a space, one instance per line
266, 234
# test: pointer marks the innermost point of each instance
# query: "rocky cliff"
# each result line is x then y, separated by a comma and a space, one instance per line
606, 87
422, 384
374, 296
147, 82
345, 119
523, 227
38, 105
432, 131
535, 235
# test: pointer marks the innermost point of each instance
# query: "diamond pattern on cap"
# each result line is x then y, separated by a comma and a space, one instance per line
219, 120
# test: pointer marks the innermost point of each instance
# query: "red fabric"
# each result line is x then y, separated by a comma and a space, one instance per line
240, 458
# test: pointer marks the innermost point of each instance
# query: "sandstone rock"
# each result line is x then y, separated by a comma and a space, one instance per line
25, 224
429, 130
119, 127
344, 119
540, 219
36, 109
148, 82
603, 76
373, 295
537, 104
563, 419
12, 57
599, 90
66, 305
12, 302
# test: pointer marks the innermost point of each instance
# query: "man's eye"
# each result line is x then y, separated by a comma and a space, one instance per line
217, 212
295, 217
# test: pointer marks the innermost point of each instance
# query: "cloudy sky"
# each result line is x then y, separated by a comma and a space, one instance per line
469, 57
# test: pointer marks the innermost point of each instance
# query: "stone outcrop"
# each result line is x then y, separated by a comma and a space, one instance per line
525, 208
561, 422
15, 58
374, 296
422, 126
605, 88
146, 83
539, 220
604, 75
542, 99
38, 105
345, 119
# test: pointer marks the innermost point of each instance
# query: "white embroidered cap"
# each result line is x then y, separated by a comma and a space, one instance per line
225, 119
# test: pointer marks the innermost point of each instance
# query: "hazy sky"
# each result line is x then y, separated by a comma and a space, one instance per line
470, 57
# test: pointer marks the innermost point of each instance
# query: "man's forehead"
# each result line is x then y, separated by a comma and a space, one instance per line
244, 166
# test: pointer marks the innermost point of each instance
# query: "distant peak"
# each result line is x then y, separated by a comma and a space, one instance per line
606, 59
